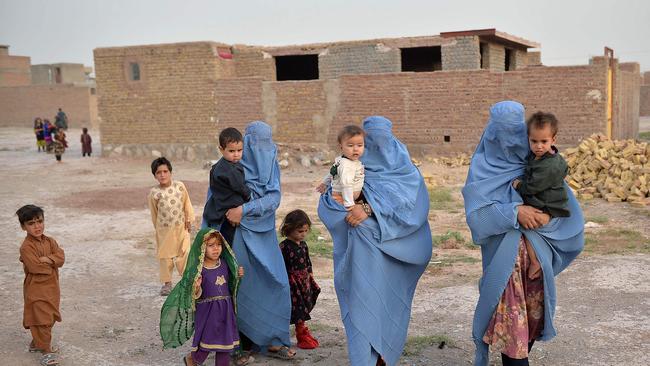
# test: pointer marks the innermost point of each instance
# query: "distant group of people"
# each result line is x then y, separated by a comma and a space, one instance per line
51, 138
240, 289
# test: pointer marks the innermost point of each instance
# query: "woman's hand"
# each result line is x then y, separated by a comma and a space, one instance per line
531, 218
321, 188
240, 272
234, 215
356, 215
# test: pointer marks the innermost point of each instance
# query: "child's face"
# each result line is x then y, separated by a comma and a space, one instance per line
34, 227
163, 175
213, 248
541, 140
299, 234
352, 147
233, 151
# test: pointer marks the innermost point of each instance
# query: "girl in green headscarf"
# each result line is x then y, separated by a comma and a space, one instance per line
203, 302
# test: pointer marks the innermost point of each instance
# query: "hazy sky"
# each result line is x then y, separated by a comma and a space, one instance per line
51, 31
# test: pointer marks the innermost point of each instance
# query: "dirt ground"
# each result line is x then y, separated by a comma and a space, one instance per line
96, 209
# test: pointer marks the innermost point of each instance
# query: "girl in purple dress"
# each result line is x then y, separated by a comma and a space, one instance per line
304, 290
206, 294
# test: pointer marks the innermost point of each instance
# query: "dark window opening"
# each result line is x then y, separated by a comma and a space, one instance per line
134, 71
508, 59
447, 138
421, 59
93, 91
483, 51
299, 67
57, 75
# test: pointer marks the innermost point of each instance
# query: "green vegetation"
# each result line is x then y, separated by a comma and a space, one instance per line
415, 345
440, 198
644, 136
451, 240
597, 219
616, 241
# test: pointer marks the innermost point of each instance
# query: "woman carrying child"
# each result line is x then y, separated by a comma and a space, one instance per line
203, 302
516, 305
264, 302
304, 289
381, 248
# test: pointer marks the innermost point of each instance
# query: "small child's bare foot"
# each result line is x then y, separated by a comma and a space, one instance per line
166, 289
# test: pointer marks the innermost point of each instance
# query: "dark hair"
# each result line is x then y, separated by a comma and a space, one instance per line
229, 135
217, 235
349, 131
540, 119
294, 220
85, 130
158, 162
29, 212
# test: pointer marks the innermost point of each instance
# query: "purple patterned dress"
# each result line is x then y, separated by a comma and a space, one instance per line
215, 324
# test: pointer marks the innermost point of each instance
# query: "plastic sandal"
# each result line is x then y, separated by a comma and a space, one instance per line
282, 353
49, 359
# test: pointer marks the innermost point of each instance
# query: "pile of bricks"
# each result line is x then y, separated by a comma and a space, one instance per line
615, 170
454, 162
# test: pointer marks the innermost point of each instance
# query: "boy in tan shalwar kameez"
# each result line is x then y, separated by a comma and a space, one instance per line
172, 215
41, 257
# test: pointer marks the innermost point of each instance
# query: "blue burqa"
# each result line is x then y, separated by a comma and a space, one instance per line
263, 301
378, 263
491, 211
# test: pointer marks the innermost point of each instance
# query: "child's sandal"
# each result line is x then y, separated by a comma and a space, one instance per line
49, 359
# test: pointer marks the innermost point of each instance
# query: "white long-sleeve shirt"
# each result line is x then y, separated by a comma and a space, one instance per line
347, 180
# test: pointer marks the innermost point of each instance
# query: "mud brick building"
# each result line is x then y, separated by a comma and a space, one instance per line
644, 97
174, 98
28, 91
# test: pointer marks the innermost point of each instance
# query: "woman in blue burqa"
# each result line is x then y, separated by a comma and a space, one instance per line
379, 258
263, 302
522, 248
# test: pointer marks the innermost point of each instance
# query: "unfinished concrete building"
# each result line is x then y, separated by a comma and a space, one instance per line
29, 91
174, 98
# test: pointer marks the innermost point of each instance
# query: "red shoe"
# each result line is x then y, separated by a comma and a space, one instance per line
304, 341
311, 337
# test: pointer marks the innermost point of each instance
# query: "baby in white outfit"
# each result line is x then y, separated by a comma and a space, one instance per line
347, 172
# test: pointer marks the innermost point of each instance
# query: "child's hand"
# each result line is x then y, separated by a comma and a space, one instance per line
240, 271
46, 260
321, 188
198, 281
515, 183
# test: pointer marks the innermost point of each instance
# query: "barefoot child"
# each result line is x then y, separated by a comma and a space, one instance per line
304, 290
172, 215
203, 302
346, 175
41, 257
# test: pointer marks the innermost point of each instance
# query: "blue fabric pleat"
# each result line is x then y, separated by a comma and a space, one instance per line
377, 264
491, 212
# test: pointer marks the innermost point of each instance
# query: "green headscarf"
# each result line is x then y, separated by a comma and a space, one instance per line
177, 313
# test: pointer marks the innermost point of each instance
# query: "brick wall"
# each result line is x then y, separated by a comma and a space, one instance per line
367, 58
173, 102
252, 61
19, 106
494, 57
644, 95
461, 54
15, 71
625, 122
238, 101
